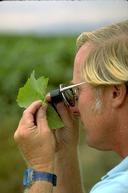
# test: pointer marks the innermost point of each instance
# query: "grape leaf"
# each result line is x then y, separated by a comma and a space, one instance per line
53, 118
36, 89
32, 90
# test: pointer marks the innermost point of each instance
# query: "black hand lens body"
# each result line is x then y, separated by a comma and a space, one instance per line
66, 94
56, 97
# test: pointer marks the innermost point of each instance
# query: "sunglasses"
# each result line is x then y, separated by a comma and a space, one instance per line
66, 94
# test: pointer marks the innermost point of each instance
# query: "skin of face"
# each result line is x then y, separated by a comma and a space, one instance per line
98, 127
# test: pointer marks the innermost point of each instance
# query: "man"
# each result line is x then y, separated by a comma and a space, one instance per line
101, 74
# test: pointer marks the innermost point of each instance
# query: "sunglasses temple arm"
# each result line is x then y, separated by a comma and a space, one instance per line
71, 86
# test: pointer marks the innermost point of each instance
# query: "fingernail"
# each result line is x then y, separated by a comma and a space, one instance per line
48, 97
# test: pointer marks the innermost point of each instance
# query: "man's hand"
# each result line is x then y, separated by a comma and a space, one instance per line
68, 136
66, 159
35, 139
50, 150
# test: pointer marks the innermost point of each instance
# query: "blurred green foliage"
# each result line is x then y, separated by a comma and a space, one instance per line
52, 57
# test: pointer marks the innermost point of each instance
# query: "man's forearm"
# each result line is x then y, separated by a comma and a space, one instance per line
40, 187
68, 173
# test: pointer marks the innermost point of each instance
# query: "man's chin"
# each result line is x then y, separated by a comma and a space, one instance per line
96, 145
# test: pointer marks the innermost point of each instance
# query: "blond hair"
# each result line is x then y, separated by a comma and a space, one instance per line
107, 63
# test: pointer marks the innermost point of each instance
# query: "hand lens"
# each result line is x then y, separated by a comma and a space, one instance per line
66, 94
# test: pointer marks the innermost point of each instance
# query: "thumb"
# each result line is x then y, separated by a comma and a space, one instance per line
41, 118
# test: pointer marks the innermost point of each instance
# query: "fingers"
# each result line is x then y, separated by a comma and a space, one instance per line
41, 118
48, 98
35, 114
37, 145
34, 107
28, 115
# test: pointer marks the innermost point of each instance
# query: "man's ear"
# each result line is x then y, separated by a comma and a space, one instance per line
119, 93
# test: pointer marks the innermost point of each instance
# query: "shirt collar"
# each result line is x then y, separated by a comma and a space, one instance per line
122, 166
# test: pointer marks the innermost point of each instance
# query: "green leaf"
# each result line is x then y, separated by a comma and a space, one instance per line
32, 90
54, 121
36, 89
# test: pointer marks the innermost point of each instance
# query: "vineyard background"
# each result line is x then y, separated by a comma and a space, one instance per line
52, 57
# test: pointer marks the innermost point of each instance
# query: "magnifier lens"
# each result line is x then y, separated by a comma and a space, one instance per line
69, 96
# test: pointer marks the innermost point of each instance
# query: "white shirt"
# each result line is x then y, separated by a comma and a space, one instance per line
115, 181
